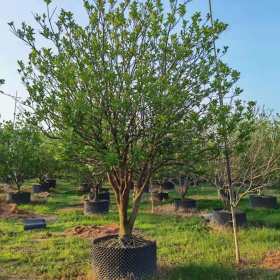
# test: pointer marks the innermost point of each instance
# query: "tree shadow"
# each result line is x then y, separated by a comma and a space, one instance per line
268, 218
214, 272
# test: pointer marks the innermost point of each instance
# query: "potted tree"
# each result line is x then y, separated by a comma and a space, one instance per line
260, 200
168, 185
158, 192
97, 200
233, 129
161, 189
96, 203
18, 160
263, 157
87, 179
223, 216
47, 164
184, 203
140, 80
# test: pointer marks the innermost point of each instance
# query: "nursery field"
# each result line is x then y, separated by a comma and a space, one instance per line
188, 246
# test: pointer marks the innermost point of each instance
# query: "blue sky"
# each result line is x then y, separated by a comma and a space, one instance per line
253, 38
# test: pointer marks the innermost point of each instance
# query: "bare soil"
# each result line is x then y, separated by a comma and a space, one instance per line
272, 260
10, 210
91, 232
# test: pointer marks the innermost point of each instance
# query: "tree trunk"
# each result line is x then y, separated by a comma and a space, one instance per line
121, 184
232, 204
125, 229
234, 227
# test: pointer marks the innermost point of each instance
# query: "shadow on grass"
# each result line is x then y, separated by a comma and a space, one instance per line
196, 272
70, 192
214, 272
265, 218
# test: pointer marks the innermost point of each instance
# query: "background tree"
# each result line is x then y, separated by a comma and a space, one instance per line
123, 85
18, 153
233, 121
233, 124
258, 165
50, 160
2, 81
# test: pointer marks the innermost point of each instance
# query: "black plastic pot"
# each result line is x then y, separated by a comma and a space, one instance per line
19, 197
96, 207
168, 185
104, 195
164, 195
37, 188
111, 263
34, 223
45, 187
52, 183
184, 204
223, 217
159, 196
85, 188
263, 201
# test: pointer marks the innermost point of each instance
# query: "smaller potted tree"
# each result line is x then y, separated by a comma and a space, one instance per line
223, 216
51, 182
184, 203
264, 163
19, 158
47, 165
168, 185
260, 200
96, 202
18, 197
43, 184
86, 181
159, 194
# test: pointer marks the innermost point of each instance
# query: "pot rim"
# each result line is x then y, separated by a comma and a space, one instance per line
96, 201
97, 241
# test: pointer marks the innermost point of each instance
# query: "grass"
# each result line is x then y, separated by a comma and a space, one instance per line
187, 247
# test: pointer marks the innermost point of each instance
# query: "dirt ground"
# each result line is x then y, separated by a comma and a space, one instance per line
272, 260
91, 232
10, 210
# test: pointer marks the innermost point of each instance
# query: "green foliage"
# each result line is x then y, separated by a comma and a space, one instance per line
262, 157
122, 83
25, 153
18, 153
232, 126
49, 161
127, 88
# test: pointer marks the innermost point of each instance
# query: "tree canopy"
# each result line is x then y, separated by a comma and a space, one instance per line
128, 87
18, 153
